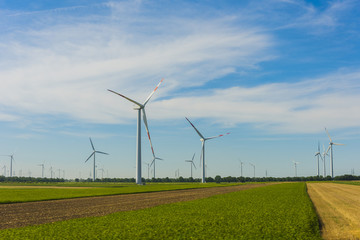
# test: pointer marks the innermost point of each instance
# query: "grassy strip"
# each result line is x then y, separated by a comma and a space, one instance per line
16, 195
281, 211
348, 182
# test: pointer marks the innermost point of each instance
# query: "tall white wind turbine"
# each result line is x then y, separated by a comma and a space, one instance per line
202, 156
140, 108
331, 153
93, 154
42, 169
318, 154
191, 164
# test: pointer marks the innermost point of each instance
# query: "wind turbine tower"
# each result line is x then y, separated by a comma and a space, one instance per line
42, 170
253, 167
93, 154
241, 168
318, 154
140, 108
202, 156
295, 166
331, 143
191, 165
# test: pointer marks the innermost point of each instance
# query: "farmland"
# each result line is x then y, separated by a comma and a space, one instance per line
282, 211
15, 193
338, 206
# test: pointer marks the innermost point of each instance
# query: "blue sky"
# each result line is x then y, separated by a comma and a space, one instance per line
273, 73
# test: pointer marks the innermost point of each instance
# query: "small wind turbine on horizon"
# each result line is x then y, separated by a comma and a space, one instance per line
140, 108
42, 169
323, 159
202, 156
191, 165
318, 154
253, 167
11, 163
241, 168
295, 166
93, 154
153, 162
331, 143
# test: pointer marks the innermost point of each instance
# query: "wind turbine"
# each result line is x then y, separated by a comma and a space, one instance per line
191, 164
42, 169
11, 162
295, 166
241, 167
140, 108
253, 167
331, 153
4, 167
202, 156
323, 158
153, 162
93, 154
318, 154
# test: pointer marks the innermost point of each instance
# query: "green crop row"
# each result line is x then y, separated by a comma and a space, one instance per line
282, 211
15, 195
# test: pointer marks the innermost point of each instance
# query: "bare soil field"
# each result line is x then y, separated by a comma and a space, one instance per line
338, 206
25, 214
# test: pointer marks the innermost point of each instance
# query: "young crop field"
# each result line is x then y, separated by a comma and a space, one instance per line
349, 182
15, 193
281, 211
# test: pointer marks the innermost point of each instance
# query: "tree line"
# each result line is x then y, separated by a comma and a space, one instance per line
217, 179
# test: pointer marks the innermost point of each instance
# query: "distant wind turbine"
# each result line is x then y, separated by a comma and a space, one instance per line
202, 156
153, 162
191, 164
42, 169
331, 153
140, 108
93, 154
253, 167
323, 159
241, 168
11, 163
295, 166
318, 154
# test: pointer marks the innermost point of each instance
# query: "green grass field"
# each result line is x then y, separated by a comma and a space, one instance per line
15, 195
282, 211
348, 182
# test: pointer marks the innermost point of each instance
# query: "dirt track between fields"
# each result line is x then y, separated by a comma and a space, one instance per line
338, 206
32, 213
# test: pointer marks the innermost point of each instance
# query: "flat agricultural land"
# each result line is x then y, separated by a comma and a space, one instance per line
277, 211
338, 206
30, 213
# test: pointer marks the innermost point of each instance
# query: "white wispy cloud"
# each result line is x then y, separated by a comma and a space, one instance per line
64, 68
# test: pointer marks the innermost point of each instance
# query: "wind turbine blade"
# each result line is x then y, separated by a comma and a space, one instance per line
133, 101
188, 161
147, 130
90, 156
195, 128
318, 146
92, 145
152, 162
153, 92
102, 152
328, 149
193, 157
327, 132
340, 144
217, 136
193, 164
159, 159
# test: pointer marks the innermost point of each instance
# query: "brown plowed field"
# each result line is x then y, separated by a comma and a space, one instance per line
338, 206
24, 214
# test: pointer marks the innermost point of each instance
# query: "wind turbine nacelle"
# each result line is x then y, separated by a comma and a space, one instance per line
136, 107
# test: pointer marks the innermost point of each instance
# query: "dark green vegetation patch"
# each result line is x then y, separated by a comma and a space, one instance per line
282, 211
